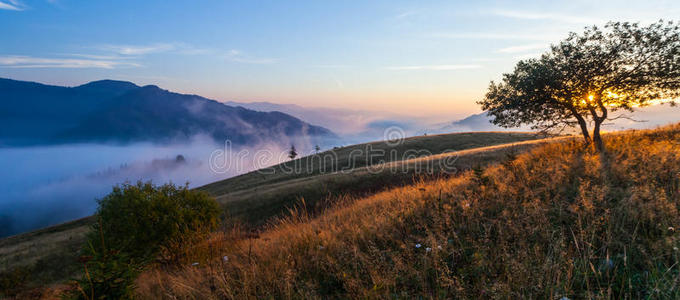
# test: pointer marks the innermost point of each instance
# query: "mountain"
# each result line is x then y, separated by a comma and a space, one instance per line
122, 112
642, 118
343, 121
476, 122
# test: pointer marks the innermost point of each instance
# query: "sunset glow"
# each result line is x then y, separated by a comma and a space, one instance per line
432, 58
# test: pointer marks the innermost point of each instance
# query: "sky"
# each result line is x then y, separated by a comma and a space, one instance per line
417, 58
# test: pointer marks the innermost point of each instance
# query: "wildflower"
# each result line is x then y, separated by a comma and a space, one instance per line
670, 228
439, 247
418, 245
195, 264
225, 258
675, 248
428, 249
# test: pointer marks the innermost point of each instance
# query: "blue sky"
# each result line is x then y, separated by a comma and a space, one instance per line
409, 57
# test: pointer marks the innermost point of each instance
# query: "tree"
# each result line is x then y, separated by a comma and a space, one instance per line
317, 149
292, 153
586, 77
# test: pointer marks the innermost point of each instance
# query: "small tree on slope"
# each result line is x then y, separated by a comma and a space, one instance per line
292, 153
585, 77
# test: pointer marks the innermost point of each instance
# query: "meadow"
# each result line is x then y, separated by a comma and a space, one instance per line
254, 200
557, 221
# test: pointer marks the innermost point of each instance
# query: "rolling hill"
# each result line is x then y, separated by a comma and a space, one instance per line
256, 198
557, 222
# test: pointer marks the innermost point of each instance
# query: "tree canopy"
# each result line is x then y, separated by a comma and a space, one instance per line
585, 77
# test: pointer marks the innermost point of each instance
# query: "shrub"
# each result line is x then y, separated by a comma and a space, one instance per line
142, 219
108, 273
135, 224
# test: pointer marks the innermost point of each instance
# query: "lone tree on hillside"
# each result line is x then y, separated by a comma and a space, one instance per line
292, 153
586, 77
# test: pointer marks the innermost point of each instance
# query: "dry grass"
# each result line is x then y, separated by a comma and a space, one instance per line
49, 255
559, 221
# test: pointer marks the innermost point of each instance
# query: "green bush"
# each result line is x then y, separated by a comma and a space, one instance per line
141, 220
136, 222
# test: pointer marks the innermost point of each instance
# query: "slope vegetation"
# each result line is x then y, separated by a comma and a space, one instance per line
558, 221
359, 169
253, 199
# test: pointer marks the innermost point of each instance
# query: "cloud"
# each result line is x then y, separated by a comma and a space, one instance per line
240, 57
18, 61
138, 49
11, 5
406, 14
527, 56
98, 57
493, 36
434, 67
331, 66
525, 15
522, 48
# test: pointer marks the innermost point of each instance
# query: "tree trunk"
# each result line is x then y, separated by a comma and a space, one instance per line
597, 138
584, 128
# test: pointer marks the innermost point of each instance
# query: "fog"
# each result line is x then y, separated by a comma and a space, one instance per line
48, 185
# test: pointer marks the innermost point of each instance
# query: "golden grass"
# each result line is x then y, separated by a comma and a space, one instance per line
50, 255
559, 221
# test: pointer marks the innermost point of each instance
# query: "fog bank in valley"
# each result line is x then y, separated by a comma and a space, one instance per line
47, 185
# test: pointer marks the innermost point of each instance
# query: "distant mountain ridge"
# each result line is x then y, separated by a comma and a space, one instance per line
122, 112
642, 118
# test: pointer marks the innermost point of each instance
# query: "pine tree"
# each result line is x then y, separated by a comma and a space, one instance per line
292, 153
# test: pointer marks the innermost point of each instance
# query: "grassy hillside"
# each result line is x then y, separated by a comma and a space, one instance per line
257, 196
558, 221
50, 255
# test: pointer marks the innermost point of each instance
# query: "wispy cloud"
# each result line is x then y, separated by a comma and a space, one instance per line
240, 57
527, 56
12, 5
97, 57
332, 66
523, 48
434, 67
138, 49
493, 36
18, 61
406, 14
527, 15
